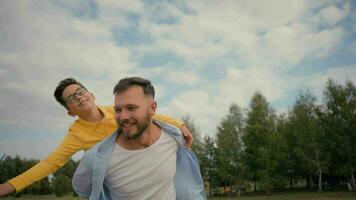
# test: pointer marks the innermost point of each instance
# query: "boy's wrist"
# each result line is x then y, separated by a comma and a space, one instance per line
6, 188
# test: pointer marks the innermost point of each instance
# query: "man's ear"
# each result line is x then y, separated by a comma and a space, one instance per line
153, 107
71, 114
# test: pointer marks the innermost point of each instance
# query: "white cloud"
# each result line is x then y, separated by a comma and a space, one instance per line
292, 44
340, 74
343, 74
272, 33
331, 15
240, 84
183, 77
316, 82
128, 6
254, 45
197, 104
41, 47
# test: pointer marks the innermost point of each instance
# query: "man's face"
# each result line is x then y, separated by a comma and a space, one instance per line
78, 99
133, 111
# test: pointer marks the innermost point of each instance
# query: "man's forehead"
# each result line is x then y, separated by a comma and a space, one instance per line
131, 91
132, 96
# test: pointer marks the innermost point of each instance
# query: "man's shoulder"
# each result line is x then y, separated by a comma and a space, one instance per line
171, 130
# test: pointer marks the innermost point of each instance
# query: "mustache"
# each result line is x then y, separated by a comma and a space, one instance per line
125, 122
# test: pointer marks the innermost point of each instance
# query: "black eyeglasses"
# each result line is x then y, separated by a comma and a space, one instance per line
73, 97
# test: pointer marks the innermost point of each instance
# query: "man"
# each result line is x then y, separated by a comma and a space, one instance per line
95, 123
144, 159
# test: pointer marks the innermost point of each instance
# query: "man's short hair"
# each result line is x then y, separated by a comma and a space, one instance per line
126, 83
62, 85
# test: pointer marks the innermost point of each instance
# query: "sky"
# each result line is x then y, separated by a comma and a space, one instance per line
201, 56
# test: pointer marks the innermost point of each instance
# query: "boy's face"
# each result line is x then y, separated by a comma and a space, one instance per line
133, 111
78, 99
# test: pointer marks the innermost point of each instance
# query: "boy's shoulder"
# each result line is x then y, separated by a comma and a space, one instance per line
102, 145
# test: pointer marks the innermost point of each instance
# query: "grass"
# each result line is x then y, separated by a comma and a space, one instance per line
42, 197
274, 196
294, 196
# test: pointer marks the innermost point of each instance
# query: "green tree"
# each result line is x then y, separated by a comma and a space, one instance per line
339, 123
45, 186
230, 147
61, 185
209, 160
294, 163
67, 170
259, 157
306, 131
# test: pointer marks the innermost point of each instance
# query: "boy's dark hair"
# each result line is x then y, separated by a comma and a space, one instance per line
126, 83
62, 85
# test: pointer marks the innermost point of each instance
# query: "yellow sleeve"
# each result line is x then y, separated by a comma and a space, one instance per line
169, 120
52, 163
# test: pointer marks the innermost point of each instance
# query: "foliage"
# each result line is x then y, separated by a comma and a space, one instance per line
230, 147
11, 167
61, 185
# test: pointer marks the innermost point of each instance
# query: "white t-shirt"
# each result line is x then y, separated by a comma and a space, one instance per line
145, 173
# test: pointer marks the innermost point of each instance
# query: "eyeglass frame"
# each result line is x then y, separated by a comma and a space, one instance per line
71, 99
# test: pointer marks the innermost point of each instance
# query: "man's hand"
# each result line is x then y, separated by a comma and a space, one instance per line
6, 188
188, 137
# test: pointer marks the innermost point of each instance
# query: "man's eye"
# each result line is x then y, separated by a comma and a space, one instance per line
117, 110
132, 108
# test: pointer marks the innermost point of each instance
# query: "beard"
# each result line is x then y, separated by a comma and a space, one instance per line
141, 127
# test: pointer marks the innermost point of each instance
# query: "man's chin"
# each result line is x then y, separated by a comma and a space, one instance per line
131, 136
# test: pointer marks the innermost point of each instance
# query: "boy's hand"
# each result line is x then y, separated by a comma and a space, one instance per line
188, 137
6, 188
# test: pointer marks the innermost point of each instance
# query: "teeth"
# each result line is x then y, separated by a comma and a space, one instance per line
126, 124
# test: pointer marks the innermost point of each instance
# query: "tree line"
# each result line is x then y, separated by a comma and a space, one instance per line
59, 184
312, 146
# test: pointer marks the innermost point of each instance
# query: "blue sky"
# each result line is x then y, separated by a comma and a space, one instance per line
201, 56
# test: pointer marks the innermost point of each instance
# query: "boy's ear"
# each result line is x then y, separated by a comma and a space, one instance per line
71, 114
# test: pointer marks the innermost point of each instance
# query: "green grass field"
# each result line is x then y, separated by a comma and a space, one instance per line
42, 197
294, 196
277, 196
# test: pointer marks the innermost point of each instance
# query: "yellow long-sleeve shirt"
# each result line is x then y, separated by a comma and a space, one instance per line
82, 135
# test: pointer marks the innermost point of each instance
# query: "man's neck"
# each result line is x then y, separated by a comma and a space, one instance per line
94, 115
148, 137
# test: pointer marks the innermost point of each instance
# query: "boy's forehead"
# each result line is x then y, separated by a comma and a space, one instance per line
72, 85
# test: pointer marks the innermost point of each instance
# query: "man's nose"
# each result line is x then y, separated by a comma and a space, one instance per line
124, 115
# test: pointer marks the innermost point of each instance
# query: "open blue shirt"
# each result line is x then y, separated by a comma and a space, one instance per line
89, 178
